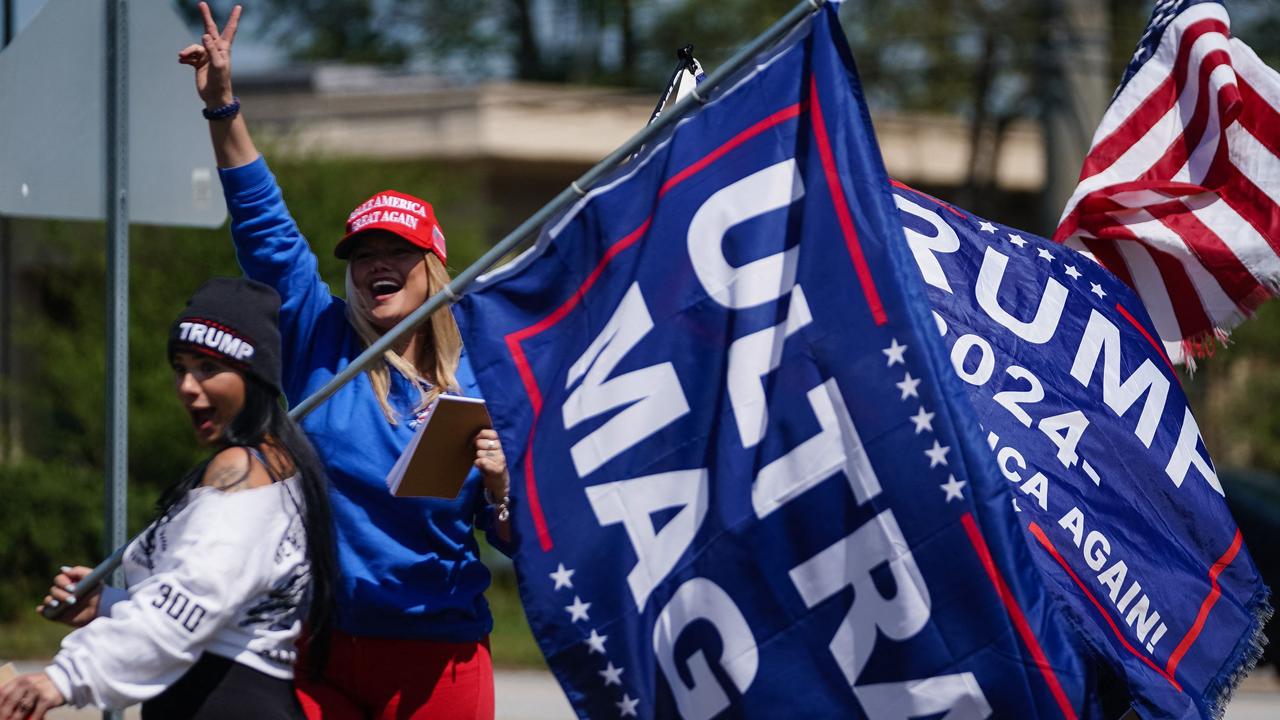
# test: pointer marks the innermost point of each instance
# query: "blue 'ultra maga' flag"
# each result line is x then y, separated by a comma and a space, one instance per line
746, 480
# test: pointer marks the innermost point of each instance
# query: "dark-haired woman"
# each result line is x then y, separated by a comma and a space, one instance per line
219, 586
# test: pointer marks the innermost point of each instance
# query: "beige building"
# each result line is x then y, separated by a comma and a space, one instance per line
530, 140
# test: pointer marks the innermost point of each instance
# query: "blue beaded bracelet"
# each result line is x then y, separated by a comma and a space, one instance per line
226, 112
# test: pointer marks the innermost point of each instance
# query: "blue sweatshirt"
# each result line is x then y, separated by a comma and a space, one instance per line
410, 566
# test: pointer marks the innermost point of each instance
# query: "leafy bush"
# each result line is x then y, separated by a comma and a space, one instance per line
51, 516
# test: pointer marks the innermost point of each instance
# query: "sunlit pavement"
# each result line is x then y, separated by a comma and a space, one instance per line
530, 695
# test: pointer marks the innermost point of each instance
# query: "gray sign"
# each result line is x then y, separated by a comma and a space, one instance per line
52, 129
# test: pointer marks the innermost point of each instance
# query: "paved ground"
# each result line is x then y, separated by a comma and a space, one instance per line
521, 695
525, 695
1257, 699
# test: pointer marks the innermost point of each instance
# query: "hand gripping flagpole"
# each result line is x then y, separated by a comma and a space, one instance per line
455, 289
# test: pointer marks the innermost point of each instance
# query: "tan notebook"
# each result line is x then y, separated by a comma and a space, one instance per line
437, 460
7, 673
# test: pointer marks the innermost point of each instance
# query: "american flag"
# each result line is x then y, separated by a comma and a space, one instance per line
1179, 193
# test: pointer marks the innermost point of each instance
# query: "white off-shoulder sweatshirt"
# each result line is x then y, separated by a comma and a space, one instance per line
224, 572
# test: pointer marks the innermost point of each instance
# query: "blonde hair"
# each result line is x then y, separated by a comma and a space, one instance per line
435, 370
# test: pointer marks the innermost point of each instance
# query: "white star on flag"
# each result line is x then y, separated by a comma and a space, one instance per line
908, 386
628, 706
562, 577
578, 610
1045, 254
937, 454
923, 421
612, 675
953, 488
1073, 272
1096, 289
894, 352
1017, 239
596, 641
987, 227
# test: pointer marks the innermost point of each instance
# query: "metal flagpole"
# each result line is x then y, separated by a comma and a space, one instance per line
527, 229
7, 294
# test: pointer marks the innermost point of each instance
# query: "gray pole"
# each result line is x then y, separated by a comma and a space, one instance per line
8, 442
117, 198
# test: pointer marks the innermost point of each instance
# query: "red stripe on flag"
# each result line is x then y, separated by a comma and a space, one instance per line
1210, 251
1092, 212
1110, 258
1105, 152
842, 207
1210, 600
773, 120
1187, 305
1017, 616
1047, 544
531, 494
1159, 348
1193, 131
1259, 117
1252, 204
526, 372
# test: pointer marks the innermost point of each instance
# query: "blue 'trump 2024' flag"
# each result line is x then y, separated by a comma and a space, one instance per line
745, 478
1122, 506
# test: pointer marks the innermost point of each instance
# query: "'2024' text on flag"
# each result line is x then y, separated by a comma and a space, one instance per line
1180, 194
745, 477
1122, 506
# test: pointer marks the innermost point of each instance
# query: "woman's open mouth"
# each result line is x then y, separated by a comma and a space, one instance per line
384, 288
201, 418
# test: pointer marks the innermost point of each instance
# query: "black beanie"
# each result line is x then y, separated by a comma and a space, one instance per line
236, 321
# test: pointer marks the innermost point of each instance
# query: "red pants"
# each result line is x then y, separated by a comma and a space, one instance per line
382, 679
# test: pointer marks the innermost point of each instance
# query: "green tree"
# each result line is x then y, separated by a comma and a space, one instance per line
580, 41
357, 31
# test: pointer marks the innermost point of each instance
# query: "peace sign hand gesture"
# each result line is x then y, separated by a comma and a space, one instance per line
212, 58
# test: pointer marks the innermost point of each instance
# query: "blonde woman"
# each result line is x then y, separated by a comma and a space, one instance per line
412, 624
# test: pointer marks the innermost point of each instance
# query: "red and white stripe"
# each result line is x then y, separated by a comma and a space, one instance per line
1180, 193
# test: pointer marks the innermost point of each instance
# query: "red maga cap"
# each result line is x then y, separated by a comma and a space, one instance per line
395, 212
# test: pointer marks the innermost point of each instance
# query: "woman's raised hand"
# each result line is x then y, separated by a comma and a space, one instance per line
212, 58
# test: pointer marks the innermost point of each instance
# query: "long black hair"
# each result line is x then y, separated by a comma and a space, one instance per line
264, 421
